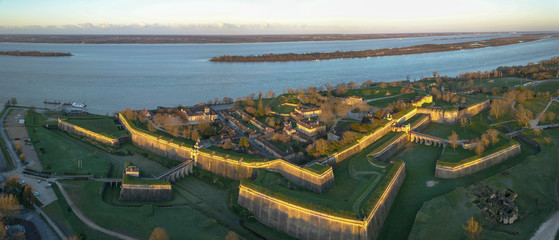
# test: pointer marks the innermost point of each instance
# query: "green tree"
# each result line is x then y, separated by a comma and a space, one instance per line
260, 112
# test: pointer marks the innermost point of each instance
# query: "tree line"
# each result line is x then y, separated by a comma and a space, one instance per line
35, 54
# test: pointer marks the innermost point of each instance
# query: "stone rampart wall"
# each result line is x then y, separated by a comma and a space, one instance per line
421, 124
230, 168
71, 128
393, 147
338, 157
477, 165
304, 223
130, 192
453, 116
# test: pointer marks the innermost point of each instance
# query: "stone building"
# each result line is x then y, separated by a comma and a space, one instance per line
199, 113
135, 188
310, 128
308, 112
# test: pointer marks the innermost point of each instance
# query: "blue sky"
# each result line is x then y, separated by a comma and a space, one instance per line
275, 17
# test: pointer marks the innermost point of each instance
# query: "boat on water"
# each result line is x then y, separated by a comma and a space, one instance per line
78, 104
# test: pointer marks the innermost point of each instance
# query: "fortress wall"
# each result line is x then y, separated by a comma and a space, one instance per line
71, 128
473, 110
224, 167
363, 143
393, 147
304, 223
302, 177
131, 192
453, 116
477, 165
230, 168
424, 122
376, 218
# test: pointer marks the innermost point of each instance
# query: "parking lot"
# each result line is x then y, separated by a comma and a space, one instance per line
16, 131
46, 194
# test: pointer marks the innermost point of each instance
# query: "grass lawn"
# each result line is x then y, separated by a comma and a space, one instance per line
373, 92
285, 109
475, 130
536, 105
385, 102
534, 181
552, 87
97, 123
356, 182
60, 213
420, 167
509, 82
139, 222
460, 155
61, 152
346, 122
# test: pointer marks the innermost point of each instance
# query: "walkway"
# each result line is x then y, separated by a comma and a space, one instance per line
381, 98
86, 220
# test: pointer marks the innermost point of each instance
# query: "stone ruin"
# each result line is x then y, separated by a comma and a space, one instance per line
496, 206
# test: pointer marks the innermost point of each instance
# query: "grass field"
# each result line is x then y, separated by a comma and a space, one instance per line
509, 82
373, 92
59, 153
475, 130
534, 181
285, 109
452, 157
97, 123
536, 105
552, 87
140, 221
420, 168
59, 211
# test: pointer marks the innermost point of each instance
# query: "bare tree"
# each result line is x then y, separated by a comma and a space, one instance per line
159, 234
453, 140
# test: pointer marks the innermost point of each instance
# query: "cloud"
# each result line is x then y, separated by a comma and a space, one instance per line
177, 28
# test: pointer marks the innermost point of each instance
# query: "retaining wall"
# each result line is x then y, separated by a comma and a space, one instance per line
477, 165
304, 223
230, 168
132, 192
71, 128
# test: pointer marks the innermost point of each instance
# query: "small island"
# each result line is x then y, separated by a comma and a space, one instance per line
35, 54
416, 49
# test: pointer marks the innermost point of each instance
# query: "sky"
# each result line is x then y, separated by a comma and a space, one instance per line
275, 17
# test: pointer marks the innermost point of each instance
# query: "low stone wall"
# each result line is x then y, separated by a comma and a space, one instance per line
230, 168
71, 128
304, 223
132, 192
477, 165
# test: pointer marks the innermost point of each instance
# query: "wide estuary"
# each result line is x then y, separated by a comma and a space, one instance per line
111, 77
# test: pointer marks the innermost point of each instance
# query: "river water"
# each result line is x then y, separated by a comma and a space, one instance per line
112, 77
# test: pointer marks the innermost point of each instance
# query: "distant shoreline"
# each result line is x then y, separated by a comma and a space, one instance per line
34, 54
171, 39
416, 49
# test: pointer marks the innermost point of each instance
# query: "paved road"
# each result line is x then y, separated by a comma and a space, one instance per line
548, 229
